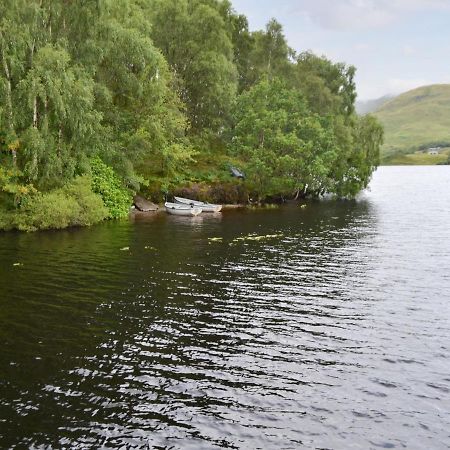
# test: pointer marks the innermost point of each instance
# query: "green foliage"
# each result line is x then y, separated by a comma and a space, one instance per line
362, 159
157, 90
50, 210
82, 79
57, 123
193, 36
105, 182
91, 206
144, 115
285, 146
269, 57
329, 87
11, 190
243, 44
72, 205
290, 149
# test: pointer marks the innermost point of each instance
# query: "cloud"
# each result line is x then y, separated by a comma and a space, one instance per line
361, 47
369, 89
399, 85
363, 14
408, 50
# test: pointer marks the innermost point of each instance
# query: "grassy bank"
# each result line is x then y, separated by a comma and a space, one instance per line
418, 159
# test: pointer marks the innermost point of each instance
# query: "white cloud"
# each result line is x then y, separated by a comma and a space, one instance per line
369, 89
361, 47
408, 50
421, 4
399, 85
363, 14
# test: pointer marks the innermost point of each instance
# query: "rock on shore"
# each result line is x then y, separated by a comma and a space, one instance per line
143, 204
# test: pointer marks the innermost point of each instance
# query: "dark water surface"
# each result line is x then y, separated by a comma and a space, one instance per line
324, 327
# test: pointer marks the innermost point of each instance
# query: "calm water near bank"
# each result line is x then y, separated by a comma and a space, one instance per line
324, 327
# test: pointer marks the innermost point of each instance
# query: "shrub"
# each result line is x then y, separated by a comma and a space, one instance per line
92, 209
52, 210
105, 182
73, 205
6, 218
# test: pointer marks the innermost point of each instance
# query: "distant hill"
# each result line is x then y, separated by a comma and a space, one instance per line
416, 120
370, 106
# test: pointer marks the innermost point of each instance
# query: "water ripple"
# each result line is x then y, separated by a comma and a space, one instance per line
325, 327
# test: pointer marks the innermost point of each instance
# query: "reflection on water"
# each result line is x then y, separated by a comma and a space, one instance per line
324, 327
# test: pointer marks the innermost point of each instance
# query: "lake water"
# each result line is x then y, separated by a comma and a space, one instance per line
324, 327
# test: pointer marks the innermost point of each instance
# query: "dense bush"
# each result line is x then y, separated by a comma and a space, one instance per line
6, 219
73, 205
49, 210
116, 197
91, 207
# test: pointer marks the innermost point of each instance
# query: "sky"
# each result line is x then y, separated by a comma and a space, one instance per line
396, 45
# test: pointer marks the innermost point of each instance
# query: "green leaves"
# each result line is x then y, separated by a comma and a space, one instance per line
193, 37
72, 205
329, 87
363, 157
59, 121
108, 185
286, 146
290, 149
116, 197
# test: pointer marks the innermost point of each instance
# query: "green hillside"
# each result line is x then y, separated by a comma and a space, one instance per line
416, 120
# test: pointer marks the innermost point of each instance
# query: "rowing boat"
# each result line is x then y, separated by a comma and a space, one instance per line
182, 210
205, 206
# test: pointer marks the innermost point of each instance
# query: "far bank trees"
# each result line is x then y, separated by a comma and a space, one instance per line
164, 93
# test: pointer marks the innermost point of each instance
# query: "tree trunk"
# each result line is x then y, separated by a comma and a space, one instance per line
32, 51
60, 133
35, 112
261, 139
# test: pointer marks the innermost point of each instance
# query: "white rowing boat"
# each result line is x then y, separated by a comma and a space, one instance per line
182, 210
206, 207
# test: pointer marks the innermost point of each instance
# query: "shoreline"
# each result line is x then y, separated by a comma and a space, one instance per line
161, 209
